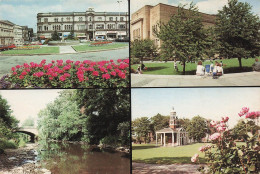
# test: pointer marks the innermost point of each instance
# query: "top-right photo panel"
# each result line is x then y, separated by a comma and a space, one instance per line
195, 43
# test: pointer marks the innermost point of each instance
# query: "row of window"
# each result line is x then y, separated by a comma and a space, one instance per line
68, 19
137, 34
82, 27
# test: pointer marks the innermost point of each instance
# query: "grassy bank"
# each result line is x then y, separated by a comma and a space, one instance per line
230, 66
42, 50
88, 47
7, 144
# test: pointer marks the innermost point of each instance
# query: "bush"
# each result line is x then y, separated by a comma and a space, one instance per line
7, 144
135, 61
227, 157
109, 140
69, 74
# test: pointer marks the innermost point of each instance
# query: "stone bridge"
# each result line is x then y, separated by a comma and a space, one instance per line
32, 131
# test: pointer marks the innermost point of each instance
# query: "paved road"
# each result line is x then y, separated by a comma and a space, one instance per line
7, 62
236, 79
140, 168
67, 49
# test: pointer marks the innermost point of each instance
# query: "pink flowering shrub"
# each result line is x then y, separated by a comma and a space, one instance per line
224, 156
70, 74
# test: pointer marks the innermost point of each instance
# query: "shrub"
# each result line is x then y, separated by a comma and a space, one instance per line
69, 74
109, 140
7, 144
227, 157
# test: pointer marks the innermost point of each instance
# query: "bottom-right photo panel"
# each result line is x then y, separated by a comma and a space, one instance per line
195, 130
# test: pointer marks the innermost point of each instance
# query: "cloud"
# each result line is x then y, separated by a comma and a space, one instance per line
211, 6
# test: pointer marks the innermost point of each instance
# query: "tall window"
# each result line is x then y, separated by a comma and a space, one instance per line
68, 18
90, 18
80, 18
110, 18
121, 18
121, 26
99, 18
56, 19
90, 26
61, 19
45, 19
100, 26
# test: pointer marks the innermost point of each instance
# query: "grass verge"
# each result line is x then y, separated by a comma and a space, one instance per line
42, 50
88, 47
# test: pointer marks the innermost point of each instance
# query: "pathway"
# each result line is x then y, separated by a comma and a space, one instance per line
66, 50
236, 79
141, 168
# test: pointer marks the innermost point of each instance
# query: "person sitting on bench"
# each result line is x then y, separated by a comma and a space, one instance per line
200, 69
218, 70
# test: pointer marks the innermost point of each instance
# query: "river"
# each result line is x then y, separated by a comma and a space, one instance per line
70, 158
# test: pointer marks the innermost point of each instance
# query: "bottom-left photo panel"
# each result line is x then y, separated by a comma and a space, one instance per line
83, 131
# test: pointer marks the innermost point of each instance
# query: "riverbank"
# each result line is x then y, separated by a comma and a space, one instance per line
21, 160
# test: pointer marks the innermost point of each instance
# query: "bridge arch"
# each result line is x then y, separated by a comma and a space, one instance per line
32, 132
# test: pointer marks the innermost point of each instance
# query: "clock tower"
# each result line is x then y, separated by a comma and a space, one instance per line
173, 119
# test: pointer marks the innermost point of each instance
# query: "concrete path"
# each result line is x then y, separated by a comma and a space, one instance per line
67, 49
236, 79
141, 168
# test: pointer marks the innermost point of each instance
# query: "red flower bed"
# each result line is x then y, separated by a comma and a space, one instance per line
101, 43
71, 74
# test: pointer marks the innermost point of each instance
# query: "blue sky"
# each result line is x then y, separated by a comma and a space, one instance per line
211, 103
206, 6
24, 12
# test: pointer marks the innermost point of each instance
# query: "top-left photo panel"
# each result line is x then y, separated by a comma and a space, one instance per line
64, 44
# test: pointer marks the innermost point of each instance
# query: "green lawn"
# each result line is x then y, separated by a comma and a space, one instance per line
231, 66
88, 47
149, 153
42, 50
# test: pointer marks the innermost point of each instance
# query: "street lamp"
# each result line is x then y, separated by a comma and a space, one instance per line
119, 12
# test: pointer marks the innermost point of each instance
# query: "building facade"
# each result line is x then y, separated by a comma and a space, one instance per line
18, 35
174, 135
6, 32
144, 19
85, 25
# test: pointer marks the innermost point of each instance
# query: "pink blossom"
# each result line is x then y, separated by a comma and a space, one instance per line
194, 158
24, 73
215, 136
213, 123
13, 68
106, 76
95, 73
113, 73
21, 77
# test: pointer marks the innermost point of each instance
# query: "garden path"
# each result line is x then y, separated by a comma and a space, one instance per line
141, 168
66, 49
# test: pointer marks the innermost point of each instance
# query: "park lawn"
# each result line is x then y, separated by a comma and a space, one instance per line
42, 50
150, 154
87, 47
166, 68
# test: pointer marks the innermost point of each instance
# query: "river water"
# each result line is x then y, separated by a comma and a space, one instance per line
68, 158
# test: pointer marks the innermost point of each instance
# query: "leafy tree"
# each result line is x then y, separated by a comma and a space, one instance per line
237, 29
28, 122
183, 36
124, 129
197, 128
143, 48
142, 127
55, 36
184, 122
71, 35
241, 128
159, 122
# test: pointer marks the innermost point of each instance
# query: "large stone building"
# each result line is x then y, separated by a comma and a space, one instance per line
144, 19
85, 25
174, 135
18, 35
6, 32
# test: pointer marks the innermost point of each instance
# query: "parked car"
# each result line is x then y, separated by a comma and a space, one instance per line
7, 47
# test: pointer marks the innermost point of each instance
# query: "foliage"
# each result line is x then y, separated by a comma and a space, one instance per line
70, 74
237, 30
142, 127
197, 128
111, 140
183, 36
55, 36
7, 144
71, 35
227, 157
28, 122
159, 122
87, 115
241, 128
143, 48
104, 110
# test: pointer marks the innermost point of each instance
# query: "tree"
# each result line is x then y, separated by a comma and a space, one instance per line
28, 122
71, 35
197, 128
183, 36
241, 128
55, 36
184, 122
237, 29
142, 127
159, 122
143, 48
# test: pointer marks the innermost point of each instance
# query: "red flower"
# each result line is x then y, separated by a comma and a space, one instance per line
106, 76
13, 68
24, 73
95, 73
21, 77
113, 73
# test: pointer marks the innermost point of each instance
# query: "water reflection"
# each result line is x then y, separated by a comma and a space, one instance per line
68, 158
